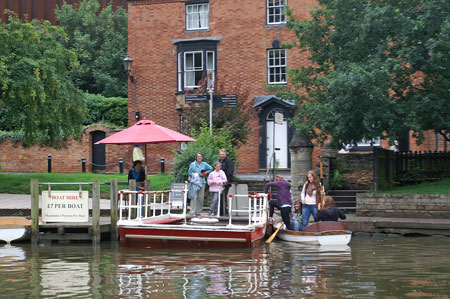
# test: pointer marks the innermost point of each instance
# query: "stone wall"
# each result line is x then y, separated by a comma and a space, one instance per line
356, 170
403, 205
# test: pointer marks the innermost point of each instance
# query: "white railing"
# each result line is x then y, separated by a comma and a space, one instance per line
150, 204
152, 201
256, 209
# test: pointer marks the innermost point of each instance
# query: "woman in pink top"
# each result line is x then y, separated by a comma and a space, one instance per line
216, 180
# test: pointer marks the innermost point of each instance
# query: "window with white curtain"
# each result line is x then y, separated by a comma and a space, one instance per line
275, 11
276, 66
193, 68
197, 16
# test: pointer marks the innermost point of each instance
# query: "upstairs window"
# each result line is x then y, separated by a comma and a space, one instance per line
275, 11
276, 66
197, 16
196, 61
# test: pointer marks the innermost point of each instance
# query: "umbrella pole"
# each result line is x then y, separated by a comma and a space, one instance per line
146, 168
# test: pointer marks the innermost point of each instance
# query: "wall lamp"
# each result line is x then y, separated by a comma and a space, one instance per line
127, 62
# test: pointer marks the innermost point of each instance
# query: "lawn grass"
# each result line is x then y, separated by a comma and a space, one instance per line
441, 187
20, 183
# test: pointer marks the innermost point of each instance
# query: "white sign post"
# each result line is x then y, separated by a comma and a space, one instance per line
65, 206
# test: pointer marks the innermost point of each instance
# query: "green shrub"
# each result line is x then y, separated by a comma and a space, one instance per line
208, 145
109, 110
336, 180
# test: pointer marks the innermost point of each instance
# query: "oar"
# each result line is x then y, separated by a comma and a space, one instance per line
268, 241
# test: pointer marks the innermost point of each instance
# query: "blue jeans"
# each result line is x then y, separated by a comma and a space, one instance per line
214, 202
295, 225
307, 211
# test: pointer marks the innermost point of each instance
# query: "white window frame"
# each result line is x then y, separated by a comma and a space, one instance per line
275, 8
179, 72
373, 142
195, 15
210, 69
195, 69
276, 67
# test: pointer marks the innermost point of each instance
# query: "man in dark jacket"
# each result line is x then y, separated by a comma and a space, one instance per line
228, 168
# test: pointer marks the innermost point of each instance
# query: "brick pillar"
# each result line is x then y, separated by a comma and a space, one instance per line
301, 149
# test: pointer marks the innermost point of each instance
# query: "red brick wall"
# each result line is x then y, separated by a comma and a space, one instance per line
241, 58
16, 158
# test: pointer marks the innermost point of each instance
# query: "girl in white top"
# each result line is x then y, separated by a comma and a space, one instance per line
310, 197
216, 180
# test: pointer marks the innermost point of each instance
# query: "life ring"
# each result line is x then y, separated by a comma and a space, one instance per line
205, 220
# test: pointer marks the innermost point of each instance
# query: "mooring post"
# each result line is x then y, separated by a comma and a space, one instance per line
95, 210
132, 187
114, 215
34, 188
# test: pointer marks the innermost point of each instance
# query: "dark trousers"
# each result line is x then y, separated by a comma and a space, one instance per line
285, 212
224, 201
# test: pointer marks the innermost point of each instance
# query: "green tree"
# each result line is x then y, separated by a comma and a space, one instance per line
99, 37
232, 120
37, 95
208, 145
378, 69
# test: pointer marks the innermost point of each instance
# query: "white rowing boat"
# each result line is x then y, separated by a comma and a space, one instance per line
13, 228
327, 233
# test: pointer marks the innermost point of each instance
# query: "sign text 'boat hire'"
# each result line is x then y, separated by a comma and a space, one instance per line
65, 206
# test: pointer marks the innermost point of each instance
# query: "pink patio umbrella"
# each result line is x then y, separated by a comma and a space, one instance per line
145, 132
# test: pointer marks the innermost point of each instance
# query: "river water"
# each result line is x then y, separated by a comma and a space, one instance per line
371, 267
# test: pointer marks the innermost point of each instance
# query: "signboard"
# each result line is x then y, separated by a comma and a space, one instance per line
278, 118
195, 99
65, 206
225, 100
177, 195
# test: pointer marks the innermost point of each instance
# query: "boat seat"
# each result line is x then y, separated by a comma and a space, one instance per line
322, 226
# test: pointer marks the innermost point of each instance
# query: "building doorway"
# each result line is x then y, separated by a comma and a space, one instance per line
276, 139
98, 152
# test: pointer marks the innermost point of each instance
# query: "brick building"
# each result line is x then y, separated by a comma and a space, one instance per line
173, 43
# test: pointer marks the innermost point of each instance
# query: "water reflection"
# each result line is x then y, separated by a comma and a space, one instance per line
370, 268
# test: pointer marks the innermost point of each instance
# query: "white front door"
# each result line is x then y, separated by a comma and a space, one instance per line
276, 140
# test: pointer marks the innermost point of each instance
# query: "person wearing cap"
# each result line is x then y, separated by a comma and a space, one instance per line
201, 169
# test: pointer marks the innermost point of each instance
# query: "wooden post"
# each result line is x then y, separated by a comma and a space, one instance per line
132, 187
34, 186
113, 203
95, 211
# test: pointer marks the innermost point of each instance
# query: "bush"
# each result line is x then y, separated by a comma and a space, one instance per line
208, 145
336, 180
109, 110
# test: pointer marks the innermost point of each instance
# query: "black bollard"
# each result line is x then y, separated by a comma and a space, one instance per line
83, 164
49, 168
162, 165
121, 165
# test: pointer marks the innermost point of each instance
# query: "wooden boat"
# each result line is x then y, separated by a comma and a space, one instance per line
165, 227
326, 233
13, 228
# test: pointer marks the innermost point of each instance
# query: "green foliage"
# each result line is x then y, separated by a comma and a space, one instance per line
379, 69
110, 110
14, 136
208, 145
99, 37
232, 120
37, 95
336, 180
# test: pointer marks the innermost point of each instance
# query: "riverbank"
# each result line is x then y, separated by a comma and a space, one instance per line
20, 205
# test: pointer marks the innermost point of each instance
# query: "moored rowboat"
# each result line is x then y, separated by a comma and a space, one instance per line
327, 233
13, 228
